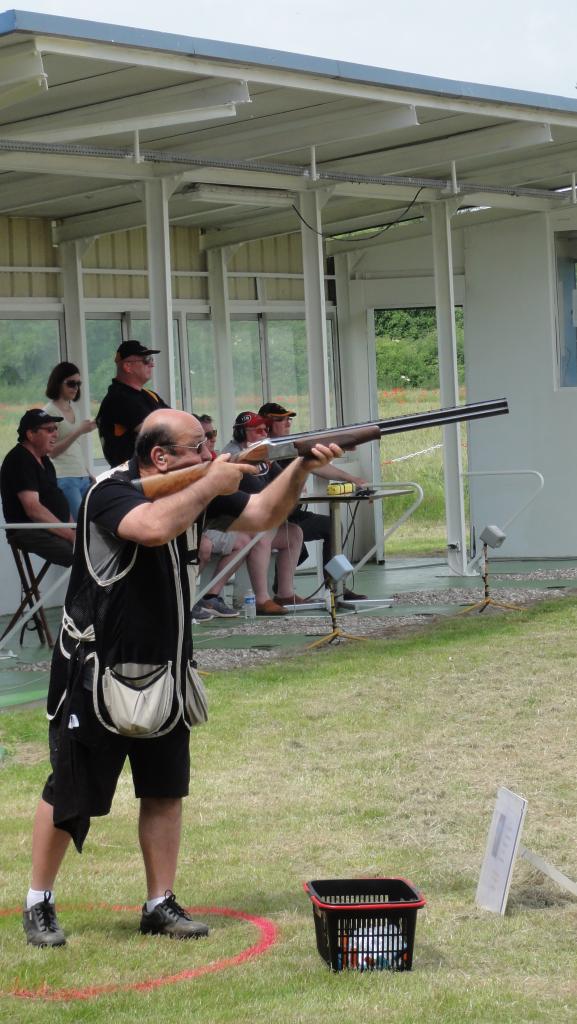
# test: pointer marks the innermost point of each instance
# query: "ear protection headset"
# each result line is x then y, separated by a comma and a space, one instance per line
239, 426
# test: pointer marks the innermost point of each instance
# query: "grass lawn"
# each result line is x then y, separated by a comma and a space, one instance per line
376, 758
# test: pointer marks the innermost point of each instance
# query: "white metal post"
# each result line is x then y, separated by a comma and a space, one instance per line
70, 259
310, 204
156, 196
220, 314
447, 345
357, 366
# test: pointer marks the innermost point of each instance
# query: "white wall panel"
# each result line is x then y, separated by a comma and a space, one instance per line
510, 352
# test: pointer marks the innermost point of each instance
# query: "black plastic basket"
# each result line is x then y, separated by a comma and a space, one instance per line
365, 924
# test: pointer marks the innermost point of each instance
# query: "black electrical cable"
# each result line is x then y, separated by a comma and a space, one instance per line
376, 234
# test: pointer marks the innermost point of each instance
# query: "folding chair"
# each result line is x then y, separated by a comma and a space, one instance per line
29, 581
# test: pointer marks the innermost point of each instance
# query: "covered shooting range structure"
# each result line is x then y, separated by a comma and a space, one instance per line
146, 176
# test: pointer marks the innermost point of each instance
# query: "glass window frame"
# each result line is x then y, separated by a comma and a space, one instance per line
52, 314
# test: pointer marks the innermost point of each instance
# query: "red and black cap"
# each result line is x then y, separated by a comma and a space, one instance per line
249, 419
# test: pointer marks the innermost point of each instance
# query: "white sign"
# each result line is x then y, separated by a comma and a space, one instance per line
501, 851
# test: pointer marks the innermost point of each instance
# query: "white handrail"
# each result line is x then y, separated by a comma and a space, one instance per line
393, 485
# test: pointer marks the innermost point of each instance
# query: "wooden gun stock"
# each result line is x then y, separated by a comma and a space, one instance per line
162, 484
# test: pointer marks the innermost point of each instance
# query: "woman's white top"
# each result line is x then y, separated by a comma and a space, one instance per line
72, 461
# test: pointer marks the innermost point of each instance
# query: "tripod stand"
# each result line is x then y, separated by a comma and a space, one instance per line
336, 633
487, 599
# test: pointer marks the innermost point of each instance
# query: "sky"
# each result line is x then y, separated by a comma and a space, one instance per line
519, 44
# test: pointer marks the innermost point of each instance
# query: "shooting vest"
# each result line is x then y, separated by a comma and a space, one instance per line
126, 633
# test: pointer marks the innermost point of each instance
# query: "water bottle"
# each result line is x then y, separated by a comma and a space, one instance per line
249, 605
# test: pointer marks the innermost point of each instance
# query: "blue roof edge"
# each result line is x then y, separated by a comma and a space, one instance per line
50, 24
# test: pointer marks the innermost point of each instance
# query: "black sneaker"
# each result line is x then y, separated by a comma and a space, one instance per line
168, 918
41, 924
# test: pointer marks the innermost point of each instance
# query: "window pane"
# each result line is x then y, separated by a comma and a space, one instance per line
246, 365
566, 286
102, 339
140, 329
288, 368
29, 349
202, 367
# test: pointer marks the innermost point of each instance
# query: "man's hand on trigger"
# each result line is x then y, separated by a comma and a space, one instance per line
227, 475
321, 455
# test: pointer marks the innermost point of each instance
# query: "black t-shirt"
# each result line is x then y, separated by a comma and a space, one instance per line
114, 498
137, 598
252, 484
121, 412
21, 471
110, 502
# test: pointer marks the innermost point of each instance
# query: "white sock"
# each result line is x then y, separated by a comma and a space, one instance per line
36, 896
151, 904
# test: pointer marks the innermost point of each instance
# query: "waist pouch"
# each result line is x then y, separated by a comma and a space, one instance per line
195, 702
137, 700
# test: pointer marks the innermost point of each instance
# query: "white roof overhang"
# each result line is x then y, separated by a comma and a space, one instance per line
88, 112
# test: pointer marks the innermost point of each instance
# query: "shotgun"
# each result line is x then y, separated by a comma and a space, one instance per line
295, 445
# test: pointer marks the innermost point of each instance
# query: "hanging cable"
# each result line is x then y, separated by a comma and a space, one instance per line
381, 231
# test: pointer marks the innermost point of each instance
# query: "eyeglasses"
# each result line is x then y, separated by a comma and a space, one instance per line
210, 434
49, 429
191, 447
147, 360
73, 383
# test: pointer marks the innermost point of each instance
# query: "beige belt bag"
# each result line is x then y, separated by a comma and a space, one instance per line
195, 702
138, 698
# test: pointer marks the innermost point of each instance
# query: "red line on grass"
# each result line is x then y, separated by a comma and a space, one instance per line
268, 936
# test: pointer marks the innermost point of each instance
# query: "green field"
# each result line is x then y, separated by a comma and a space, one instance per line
424, 533
380, 758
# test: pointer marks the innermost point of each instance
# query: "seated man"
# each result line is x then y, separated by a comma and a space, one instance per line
216, 542
286, 540
314, 525
30, 493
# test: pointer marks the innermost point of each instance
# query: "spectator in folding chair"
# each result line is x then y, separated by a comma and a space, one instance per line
314, 525
30, 493
228, 544
287, 540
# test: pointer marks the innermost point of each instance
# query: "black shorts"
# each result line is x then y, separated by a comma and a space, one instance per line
160, 767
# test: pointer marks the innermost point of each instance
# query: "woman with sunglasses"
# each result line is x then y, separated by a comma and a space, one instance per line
73, 477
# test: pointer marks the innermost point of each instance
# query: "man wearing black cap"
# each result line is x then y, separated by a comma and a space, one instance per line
287, 540
127, 402
30, 493
314, 525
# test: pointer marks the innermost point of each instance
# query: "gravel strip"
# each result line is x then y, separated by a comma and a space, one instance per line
310, 627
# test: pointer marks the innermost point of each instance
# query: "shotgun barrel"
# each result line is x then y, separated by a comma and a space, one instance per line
345, 437
348, 437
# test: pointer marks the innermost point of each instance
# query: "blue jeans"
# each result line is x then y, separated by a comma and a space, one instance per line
74, 488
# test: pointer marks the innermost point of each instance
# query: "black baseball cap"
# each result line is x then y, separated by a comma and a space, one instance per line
133, 348
33, 419
274, 411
